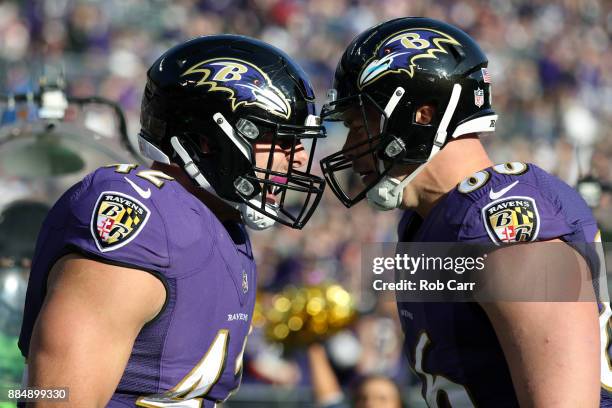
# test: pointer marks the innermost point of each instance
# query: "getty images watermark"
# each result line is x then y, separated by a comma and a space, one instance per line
434, 272
421, 263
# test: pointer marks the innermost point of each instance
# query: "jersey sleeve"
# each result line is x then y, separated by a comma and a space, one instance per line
526, 214
106, 220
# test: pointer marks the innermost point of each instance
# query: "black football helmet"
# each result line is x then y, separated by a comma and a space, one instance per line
391, 70
229, 92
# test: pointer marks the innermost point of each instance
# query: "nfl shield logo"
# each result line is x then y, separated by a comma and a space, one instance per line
479, 97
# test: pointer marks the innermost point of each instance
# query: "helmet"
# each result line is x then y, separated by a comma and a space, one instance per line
210, 99
391, 70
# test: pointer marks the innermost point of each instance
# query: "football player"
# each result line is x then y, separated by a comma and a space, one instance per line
143, 282
414, 94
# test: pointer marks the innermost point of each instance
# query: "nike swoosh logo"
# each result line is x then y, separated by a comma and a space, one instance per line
144, 194
495, 195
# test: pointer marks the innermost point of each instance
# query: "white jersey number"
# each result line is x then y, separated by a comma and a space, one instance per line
198, 382
456, 394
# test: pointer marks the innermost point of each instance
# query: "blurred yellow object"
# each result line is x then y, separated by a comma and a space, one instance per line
299, 316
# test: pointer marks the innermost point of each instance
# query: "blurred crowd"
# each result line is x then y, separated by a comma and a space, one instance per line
550, 63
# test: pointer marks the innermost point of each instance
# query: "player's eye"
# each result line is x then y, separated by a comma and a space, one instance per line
286, 144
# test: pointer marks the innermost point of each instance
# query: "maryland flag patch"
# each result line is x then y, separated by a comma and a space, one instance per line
512, 219
116, 220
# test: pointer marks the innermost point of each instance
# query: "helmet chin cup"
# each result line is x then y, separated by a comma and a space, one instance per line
385, 195
254, 219
388, 193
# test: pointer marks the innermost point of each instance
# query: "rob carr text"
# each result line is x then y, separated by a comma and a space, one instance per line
423, 285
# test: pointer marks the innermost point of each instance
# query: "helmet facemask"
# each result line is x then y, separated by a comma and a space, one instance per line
295, 193
264, 195
393, 142
397, 143
397, 67
237, 93
340, 168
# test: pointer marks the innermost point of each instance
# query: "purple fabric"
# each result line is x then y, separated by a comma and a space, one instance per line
207, 268
462, 346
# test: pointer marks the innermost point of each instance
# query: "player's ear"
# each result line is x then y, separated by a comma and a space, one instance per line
424, 114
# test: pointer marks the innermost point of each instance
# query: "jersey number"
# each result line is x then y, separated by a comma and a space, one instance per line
195, 385
479, 179
155, 177
437, 388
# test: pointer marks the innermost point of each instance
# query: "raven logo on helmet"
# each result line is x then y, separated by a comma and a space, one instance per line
246, 84
398, 53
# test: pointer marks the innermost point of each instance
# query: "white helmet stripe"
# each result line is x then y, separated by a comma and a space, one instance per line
438, 141
387, 193
446, 118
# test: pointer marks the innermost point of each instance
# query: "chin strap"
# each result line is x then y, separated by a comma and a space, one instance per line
387, 194
252, 218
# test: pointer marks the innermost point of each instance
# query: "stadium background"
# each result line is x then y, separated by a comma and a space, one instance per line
550, 63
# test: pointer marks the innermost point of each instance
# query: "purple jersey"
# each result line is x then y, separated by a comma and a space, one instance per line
453, 346
190, 355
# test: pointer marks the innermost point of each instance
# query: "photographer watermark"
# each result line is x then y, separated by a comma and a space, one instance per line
541, 271
414, 264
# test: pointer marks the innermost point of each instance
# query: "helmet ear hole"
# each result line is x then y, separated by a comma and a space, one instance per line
424, 114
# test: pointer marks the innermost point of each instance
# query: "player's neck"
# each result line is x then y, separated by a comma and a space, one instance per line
456, 161
222, 210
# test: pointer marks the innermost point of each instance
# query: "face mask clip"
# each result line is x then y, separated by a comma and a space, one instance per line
395, 148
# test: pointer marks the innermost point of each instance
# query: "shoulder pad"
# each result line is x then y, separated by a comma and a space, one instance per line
513, 202
109, 215
482, 178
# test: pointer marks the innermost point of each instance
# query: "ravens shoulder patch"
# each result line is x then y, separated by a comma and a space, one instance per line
116, 220
512, 219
